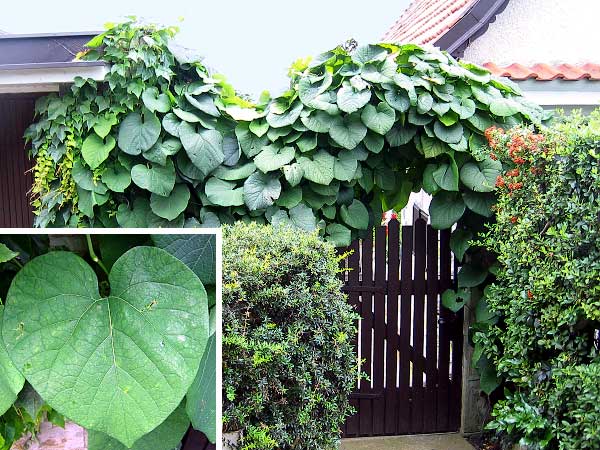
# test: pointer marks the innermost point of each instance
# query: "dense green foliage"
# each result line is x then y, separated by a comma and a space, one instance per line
543, 309
164, 143
113, 342
288, 357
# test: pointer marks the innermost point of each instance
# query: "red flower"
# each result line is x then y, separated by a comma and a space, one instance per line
514, 219
493, 156
515, 186
500, 181
529, 294
513, 173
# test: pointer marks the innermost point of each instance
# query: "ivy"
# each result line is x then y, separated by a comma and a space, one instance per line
165, 142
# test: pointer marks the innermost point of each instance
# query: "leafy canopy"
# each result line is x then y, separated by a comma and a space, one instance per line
163, 142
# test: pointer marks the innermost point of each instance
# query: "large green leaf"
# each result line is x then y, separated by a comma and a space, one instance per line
450, 134
339, 235
116, 177
197, 251
11, 380
318, 121
155, 101
155, 178
300, 216
204, 103
356, 215
378, 118
480, 203
273, 158
347, 131
446, 176
224, 193
140, 215
481, 176
293, 174
350, 100
162, 150
164, 437
234, 173
445, 210
400, 135
138, 132
261, 191
104, 125
201, 402
504, 107
319, 169
459, 242
204, 148
286, 118
345, 166
309, 88
250, 143
170, 207
6, 254
397, 99
95, 150
118, 364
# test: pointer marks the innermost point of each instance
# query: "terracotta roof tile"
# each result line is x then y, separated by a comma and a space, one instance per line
424, 21
547, 72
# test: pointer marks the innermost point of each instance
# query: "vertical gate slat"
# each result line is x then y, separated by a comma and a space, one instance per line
366, 404
351, 427
379, 330
431, 342
457, 349
418, 365
406, 288
391, 395
445, 335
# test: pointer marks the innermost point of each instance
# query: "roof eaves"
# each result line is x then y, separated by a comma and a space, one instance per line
472, 25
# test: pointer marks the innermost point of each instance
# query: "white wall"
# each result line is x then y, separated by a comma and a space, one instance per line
533, 31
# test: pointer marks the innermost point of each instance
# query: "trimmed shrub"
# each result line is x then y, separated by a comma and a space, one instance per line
288, 358
544, 307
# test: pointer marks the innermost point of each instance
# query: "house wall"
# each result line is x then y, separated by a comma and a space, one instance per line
533, 31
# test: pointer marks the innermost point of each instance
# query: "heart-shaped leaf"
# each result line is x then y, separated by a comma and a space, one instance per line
155, 178
261, 190
6, 254
163, 149
165, 437
320, 168
138, 132
293, 174
345, 166
356, 215
155, 101
104, 124
130, 373
339, 235
459, 242
446, 176
445, 210
141, 216
201, 403
224, 193
481, 176
378, 118
116, 177
450, 134
204, 103
11, 380
170, 207
95, 150
204, 148
350, 100
286, 118
318, 121
504, 107
273, 158
347, 131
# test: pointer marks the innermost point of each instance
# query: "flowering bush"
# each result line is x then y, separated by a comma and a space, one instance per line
542, 336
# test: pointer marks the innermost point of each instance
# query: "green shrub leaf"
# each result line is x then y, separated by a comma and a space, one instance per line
157, 179
138, 132
95, 150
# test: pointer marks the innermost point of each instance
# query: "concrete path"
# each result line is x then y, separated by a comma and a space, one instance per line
450, 441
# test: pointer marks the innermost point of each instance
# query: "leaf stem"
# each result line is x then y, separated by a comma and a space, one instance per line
93, 254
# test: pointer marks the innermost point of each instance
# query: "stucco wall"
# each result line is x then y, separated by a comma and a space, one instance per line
549, 31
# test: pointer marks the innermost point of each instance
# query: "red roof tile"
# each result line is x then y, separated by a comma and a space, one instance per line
425, 21
547, 72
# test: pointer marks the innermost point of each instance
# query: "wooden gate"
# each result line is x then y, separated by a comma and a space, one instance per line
16, 113
410, 347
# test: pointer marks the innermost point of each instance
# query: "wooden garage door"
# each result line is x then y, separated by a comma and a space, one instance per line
16, 113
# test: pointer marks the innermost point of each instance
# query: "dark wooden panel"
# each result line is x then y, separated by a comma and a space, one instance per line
16, 113
410, 346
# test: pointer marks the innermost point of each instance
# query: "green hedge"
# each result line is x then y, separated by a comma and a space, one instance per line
288, 358
543, 312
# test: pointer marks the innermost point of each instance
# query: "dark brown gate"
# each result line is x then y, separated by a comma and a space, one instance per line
410, 347
16, 113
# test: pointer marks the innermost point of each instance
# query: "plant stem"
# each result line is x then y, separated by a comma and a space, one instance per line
93, 254
18, 263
